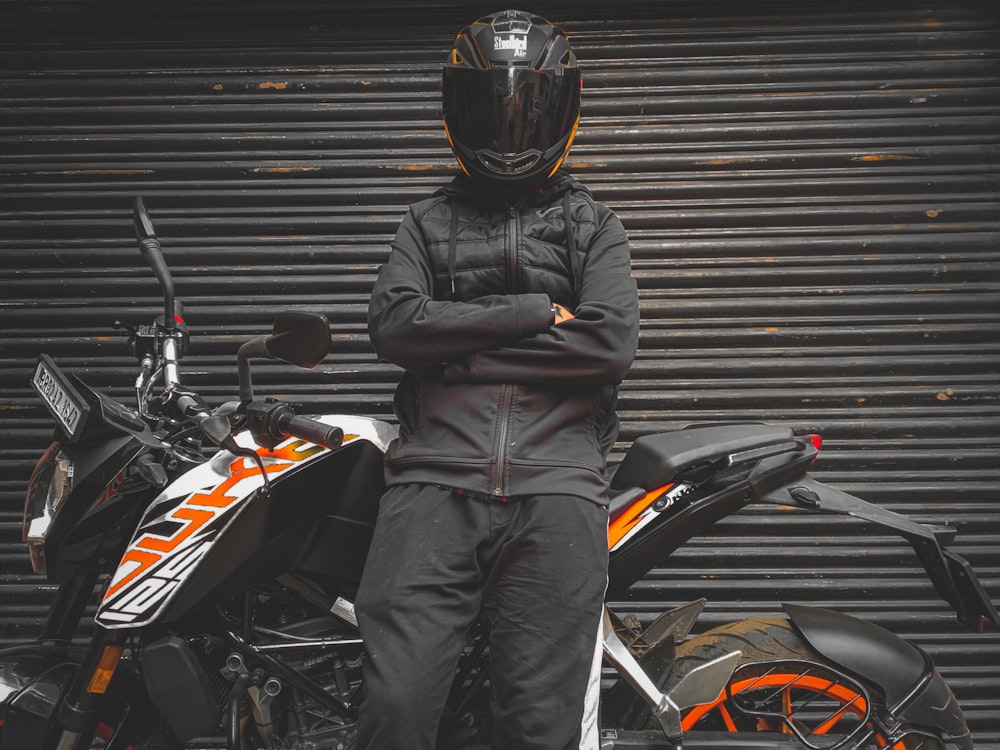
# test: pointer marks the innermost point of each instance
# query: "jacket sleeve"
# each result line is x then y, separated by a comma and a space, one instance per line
409, 328
596, 347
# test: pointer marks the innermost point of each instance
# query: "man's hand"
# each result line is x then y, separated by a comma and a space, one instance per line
561, 313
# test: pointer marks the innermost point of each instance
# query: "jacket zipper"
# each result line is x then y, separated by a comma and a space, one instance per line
507, 390
506, 397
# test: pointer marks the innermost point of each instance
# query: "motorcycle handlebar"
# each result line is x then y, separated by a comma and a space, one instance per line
319, 433
149, 246
271, 421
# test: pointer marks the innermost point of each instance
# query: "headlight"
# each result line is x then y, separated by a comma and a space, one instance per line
49, 486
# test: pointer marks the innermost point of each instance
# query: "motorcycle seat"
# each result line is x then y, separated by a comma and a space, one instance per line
655, 460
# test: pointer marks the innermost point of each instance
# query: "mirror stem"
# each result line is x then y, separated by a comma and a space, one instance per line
254, 348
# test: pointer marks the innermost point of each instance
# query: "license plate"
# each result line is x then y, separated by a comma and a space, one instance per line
64, 403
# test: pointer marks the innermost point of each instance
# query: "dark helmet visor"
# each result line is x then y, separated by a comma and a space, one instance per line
510, 110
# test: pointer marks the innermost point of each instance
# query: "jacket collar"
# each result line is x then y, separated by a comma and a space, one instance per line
463, 189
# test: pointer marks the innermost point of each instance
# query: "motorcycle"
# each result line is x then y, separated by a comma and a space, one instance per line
228, 543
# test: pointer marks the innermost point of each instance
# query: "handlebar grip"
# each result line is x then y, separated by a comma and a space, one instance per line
326, 435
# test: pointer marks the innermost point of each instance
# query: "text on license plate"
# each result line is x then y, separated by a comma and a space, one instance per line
62, 402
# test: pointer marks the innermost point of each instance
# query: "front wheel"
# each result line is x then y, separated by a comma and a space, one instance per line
783, 686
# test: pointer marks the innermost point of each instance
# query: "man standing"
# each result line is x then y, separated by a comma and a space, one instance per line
508, 300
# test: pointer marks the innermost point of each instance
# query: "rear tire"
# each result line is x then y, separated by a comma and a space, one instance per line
784, 686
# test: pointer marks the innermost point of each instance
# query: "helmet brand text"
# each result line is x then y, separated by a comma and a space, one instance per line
519, 44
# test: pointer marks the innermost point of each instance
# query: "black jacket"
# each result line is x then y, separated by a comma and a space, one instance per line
496, 399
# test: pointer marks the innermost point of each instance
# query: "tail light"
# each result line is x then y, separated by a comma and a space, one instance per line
817, 443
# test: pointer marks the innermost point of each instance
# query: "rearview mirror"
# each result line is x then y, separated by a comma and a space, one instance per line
299, 338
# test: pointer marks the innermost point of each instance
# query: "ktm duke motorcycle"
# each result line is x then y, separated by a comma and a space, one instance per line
229, 542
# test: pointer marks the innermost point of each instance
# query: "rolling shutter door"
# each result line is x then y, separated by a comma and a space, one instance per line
812, 197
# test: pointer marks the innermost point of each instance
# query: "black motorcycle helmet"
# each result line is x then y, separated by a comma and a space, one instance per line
511, 96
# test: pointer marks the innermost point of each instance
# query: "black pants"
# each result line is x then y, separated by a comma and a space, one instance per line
535, 569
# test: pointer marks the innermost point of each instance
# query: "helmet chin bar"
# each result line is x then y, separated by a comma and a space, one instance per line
508, 165
521, 172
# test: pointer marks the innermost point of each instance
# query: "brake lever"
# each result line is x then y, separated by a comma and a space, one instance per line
218, 429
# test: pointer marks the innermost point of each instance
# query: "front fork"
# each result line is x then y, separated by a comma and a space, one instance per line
77, 717
66, 610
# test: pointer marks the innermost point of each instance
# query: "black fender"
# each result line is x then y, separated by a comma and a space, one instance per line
914, 690
33, 679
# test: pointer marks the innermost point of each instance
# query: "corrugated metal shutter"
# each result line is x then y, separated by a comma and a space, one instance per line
812, 196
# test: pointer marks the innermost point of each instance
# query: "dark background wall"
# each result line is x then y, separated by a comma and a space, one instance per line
811, 191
